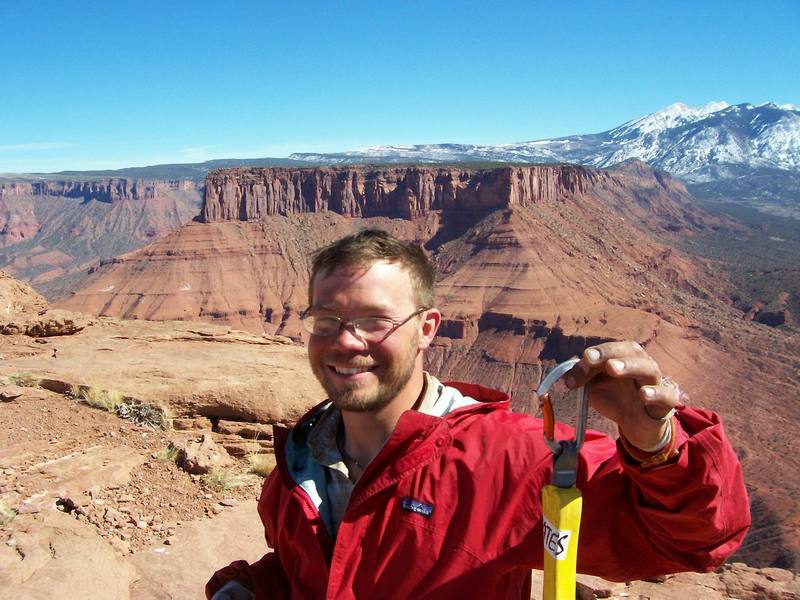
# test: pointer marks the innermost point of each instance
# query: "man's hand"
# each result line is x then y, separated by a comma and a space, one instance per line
627, 387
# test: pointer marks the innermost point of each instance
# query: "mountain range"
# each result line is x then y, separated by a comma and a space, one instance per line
697, 144
704, 145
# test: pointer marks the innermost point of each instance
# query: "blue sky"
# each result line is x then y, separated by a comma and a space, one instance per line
111, 84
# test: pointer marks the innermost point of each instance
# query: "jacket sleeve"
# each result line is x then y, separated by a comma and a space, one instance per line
265, 577
686, 515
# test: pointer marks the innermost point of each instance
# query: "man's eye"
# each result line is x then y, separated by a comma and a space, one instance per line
326, 322
374, 324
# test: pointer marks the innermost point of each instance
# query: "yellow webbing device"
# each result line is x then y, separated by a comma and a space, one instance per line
561, 499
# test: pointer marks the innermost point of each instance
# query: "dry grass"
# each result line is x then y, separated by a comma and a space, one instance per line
167, 416
7, 513
108, 400
261, 464
224, 479
23, 379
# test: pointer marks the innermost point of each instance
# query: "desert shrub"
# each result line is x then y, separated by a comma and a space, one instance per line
125, 407
24, 379
261, 464
168, 454
130, 409
223, 479
7, 513
147, 415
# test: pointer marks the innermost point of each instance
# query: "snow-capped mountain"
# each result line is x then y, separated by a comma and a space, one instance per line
713, 142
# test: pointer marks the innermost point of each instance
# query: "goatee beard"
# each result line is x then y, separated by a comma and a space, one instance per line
355, 400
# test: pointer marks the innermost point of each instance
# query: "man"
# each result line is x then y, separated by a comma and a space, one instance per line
402, 487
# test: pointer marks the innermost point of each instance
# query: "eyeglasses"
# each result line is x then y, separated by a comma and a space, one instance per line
370, 329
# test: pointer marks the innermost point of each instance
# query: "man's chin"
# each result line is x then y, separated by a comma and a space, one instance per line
359, 401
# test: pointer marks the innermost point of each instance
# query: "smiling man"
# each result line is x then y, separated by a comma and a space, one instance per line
399, 486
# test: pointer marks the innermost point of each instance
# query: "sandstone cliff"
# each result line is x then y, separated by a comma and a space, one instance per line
534, 242
249, 194
413, 192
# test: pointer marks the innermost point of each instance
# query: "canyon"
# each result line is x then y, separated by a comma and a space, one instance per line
265, 222
52, 231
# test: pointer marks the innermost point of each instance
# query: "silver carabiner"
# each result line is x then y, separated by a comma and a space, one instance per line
565, 452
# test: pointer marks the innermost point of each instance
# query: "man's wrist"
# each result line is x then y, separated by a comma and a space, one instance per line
662, 452
666, 435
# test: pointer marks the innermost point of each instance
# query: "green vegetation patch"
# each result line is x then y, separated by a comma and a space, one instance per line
24, 379
762, 263
168, 454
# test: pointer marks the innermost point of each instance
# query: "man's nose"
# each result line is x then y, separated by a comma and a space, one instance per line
348, 336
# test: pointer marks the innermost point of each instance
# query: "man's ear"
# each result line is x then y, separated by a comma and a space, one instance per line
431, 319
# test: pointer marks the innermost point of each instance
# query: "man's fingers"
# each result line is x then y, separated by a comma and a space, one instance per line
643, 370
600, 358
580, 374
658, 400
596, 355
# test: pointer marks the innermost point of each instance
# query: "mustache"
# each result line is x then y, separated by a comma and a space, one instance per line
348, 360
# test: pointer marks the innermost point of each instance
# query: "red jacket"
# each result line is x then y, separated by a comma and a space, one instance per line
451, 508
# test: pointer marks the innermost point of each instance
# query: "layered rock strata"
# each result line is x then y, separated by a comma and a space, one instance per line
413, 192
248, 194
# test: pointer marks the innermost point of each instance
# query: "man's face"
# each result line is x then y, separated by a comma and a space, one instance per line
361, 375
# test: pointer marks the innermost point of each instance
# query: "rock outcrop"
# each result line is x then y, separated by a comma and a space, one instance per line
54, 322
22, 310
55, 555
202, 456
774, 314
10, 392
225, 376
18, 300
413, 192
